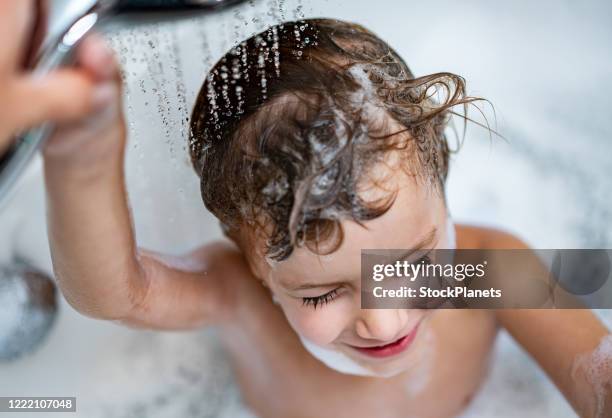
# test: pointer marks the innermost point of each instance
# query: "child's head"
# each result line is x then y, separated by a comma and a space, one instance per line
314, 140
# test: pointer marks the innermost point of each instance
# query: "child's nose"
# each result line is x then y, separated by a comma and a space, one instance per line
380, 324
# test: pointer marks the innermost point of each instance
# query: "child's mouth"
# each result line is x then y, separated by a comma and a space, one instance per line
392, 348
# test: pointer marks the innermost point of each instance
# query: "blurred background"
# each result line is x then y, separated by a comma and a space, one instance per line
545, 68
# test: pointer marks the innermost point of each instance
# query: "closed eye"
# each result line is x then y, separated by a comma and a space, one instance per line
320, 300
425, 260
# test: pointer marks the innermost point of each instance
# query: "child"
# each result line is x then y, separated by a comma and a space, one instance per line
313, 140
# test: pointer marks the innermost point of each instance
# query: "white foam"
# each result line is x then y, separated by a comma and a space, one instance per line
276, 188
597, 368
337, 360
367, 91
23, 324
366, 97
420, 373
13, 304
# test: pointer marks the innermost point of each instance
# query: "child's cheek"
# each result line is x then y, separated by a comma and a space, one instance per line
321, 326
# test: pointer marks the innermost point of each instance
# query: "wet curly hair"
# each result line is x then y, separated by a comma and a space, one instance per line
288, 123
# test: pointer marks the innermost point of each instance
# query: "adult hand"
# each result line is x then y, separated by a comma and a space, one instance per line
64, 95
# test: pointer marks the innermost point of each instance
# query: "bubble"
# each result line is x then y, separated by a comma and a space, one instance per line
28, 310
596, 367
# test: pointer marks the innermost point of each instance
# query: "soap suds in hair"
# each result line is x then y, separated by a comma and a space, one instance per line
597, 369
367, 92
363, 100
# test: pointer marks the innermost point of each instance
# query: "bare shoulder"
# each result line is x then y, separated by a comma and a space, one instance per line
222, 260
472, 236
242, 291
200, 285
221, 253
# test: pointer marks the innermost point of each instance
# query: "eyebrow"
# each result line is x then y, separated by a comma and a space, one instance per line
423, 243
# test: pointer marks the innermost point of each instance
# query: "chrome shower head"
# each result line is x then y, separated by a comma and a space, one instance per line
58, 52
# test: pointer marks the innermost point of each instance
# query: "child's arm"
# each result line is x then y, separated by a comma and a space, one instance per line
557, 339
99, 269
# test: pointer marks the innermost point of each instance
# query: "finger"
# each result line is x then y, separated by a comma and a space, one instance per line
6, 139
38, 33
63, 96
95, 57
16, 17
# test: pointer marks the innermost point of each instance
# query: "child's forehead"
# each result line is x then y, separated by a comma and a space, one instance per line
416, 211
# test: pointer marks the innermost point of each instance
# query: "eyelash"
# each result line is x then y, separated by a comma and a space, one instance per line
330, 296
320, 300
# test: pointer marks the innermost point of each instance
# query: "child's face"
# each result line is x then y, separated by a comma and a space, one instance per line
417, 214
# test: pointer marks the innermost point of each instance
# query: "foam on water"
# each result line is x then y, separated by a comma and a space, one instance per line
26, 310
13, 302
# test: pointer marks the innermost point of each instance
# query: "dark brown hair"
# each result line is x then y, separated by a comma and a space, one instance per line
288, 123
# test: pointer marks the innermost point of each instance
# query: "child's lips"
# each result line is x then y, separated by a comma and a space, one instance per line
392, 348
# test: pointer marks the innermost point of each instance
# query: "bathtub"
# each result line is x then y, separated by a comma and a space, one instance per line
549, 184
